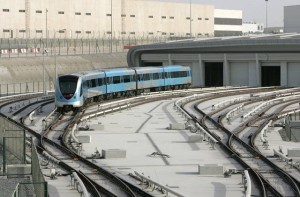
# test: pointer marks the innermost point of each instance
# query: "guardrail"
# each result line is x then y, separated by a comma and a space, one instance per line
230, 101
263, 132
264, 104
248, 183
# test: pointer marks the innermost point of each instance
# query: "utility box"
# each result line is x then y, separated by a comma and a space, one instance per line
211, 169
177, 126
113, 153
295, 152
84, 138
195, 138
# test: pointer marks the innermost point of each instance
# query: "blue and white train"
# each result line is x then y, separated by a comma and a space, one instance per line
75, 90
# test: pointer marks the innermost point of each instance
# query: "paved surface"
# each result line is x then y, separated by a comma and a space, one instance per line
142, 131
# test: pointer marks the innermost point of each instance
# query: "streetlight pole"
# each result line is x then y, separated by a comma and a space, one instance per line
46, 28
111, 25
266, 13
55, 77
190, 18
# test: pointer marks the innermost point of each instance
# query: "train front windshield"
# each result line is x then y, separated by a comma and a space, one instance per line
68, 86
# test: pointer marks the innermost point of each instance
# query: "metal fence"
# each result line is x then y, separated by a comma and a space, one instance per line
25, 87
19, 47
19, 149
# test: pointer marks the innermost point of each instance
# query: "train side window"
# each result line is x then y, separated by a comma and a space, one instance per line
127, 79
109, 80
116, 80
140, 77
90, 83
155, 76
81, 91
146, 77
166, 75
84, 84
99, 81
93, 81
103, 81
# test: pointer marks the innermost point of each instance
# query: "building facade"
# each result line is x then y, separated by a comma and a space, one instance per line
94, 18
291, 19
253, 28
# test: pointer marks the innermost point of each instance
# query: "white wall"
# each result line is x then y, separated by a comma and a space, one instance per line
98, 23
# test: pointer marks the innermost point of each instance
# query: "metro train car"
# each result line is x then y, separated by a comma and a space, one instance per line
74, 90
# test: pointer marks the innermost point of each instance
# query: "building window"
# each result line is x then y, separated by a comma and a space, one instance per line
199, 19
78, 32
133, 33
89, 14
150, 16
108, 14
5, 10
163, 17
164, 33
39, 31
172, 17
108, 32
77, 13
207, 34
39, 11
123, 32
61, 12
187, 34
22, 31
6, 30
150, 33
199, 34
132, 16
188, 18
21, 10
206, 19
88, 32
61, 31
172, 34
123, 15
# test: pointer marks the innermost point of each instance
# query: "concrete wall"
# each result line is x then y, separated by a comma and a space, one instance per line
31, 18
240, 69
17, 70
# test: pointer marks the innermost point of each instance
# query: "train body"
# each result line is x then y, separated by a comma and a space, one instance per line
74, 90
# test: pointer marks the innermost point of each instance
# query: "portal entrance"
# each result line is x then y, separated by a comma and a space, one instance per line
270, 76
213, 74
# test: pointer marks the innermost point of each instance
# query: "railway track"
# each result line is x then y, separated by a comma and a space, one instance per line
54, 147
264, 172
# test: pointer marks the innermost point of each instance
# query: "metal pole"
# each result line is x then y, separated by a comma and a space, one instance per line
266, 13
190, 18
46, 28
44, 85
111, 26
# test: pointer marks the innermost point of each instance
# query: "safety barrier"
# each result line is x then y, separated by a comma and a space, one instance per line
248, 183
263, 132
226, 102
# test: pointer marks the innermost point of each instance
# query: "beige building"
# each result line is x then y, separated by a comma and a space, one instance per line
94, 18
